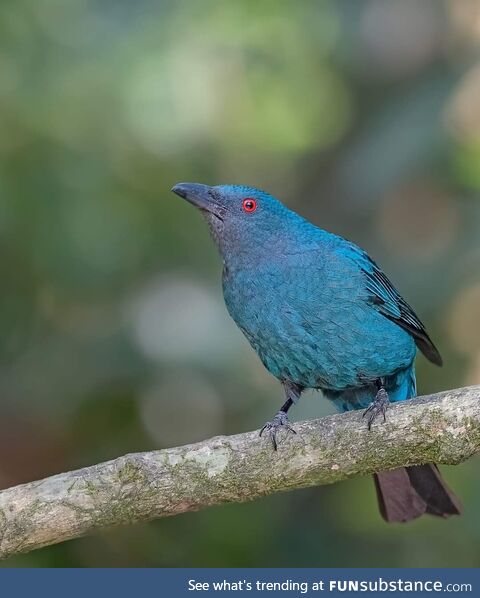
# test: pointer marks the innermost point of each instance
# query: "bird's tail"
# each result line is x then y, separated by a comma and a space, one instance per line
409, 492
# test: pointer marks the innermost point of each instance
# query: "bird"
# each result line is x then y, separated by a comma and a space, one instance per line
321, 314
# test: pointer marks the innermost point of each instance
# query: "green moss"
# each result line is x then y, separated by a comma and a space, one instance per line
91, 489
130, 472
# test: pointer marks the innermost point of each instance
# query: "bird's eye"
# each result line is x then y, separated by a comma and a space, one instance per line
249, 205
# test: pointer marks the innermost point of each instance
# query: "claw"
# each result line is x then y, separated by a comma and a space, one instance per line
378, 406
279, 421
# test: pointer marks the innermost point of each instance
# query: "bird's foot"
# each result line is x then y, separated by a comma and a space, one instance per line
377, 407
280, 421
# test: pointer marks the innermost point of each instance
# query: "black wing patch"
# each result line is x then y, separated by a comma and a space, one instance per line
389, 302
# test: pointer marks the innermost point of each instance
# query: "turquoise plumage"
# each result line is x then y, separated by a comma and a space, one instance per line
321, 314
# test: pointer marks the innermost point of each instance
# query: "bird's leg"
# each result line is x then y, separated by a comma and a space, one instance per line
280, 420
378, 405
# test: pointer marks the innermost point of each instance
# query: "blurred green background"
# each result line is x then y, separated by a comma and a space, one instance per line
363, 116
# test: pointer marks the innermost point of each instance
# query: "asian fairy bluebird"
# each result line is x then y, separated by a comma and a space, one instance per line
321, 314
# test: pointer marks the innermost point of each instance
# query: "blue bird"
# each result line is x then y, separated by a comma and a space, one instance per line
321, 314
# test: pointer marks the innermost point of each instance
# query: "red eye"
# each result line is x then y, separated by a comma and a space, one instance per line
249, 205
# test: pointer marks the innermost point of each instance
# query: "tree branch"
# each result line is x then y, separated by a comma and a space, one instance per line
441, 428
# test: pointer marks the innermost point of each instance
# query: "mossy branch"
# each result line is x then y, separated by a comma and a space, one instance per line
441, 428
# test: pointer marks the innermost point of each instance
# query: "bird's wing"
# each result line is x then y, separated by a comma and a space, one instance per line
386, 299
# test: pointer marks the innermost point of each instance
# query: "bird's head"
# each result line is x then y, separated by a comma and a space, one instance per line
240, 217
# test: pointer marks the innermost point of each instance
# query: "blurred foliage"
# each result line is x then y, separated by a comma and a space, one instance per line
364, 116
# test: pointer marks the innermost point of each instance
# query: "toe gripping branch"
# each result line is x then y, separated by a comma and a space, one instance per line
280, 421
378, 406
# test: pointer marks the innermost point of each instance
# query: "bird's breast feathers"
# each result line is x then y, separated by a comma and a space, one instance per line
313, 323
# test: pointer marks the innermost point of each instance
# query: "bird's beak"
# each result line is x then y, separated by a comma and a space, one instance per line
198, 195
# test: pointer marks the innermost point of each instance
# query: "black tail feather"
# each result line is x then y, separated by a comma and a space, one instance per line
409, 492
431, 487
